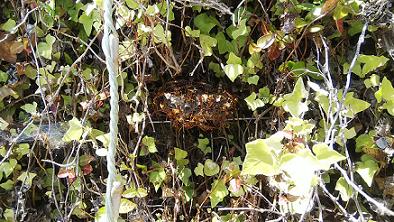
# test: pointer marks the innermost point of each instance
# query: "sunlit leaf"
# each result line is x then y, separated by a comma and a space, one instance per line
211, 168
266, 41
326, 156
253, 102
126, 206
74, 131
344, 189
259, 159
367, 170
233, 71
205, 23
218, 193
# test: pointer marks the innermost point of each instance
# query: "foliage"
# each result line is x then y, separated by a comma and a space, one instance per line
312, 122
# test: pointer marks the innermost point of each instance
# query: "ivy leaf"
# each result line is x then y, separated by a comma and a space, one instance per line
27, 178
132, 4
87, 22
157, 176
104, 139
160, 35
266, 41
133, 192
371, 62
9, 25
326, 156
8, 185
192, 33
207, 42
233, 59
223, 44
30, 108
199, 170
367, 169
45, 48
74, 131
184, 174
253, 102
353, 105
3, 124
240, 30
205, 23
253, 80
233, 71
150, 144
211, 168
293, 101
218, 193
344, 189
203, 146
180, 154
8, 167
126, 206
259, 159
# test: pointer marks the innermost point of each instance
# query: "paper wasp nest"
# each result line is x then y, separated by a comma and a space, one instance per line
191, 105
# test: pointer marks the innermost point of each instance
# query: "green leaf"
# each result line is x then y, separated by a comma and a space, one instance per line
259, 159
211, 168
27, 178
371, 62
233, 59
160, 35
350, 133
9, 26
199, 170
133, 192
104, 139
152, 10
157, 176
45, 48
30, 108
74, 131
240, 30
132, 4
233, 71
149, 142
223, 44
180, 154
207, 42
253, 80
3, 124
253, 102
8, 167
293, 101
205, 23
367, 170
365, 141
87, 22
301, 167
126, 206
266, 41
218, 193
344, 189
203, 145
8, 185
192, 33
184, 175
326, 156
353, 106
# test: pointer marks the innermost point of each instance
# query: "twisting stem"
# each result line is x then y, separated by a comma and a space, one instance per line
110, 44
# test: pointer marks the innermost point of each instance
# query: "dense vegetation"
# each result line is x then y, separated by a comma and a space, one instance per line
229, 110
